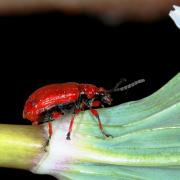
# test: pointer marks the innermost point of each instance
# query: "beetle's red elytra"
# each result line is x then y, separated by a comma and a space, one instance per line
51, 101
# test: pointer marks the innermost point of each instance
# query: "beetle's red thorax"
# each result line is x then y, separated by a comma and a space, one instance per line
48, 96
88, 89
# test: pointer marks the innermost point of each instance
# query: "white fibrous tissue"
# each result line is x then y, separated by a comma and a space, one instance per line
175, 15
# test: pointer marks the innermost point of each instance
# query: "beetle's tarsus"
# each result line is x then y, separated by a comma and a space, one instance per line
47, 144
107, 135
68, 136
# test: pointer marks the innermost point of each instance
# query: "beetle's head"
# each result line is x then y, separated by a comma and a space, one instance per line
104, 96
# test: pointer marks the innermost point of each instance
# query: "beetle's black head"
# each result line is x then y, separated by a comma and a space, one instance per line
104, 96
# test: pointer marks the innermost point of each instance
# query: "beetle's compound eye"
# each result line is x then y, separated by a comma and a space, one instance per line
106, 98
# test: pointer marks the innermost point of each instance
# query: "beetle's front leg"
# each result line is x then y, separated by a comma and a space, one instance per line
95, 113
96, 103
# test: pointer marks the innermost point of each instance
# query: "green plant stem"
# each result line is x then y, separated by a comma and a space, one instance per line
21, 146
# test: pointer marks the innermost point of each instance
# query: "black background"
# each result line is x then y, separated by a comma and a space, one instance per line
48, 48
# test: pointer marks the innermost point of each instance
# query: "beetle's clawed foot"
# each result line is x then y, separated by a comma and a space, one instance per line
107, 135
68, 136
46, 145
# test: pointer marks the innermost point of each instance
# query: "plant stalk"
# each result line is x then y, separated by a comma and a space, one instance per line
21, 146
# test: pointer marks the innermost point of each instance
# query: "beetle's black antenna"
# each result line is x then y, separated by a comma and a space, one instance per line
127, 86
122, 80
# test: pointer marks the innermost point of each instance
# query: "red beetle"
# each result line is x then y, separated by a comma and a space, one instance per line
51, 101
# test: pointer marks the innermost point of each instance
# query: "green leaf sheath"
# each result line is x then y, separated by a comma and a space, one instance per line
145, 143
